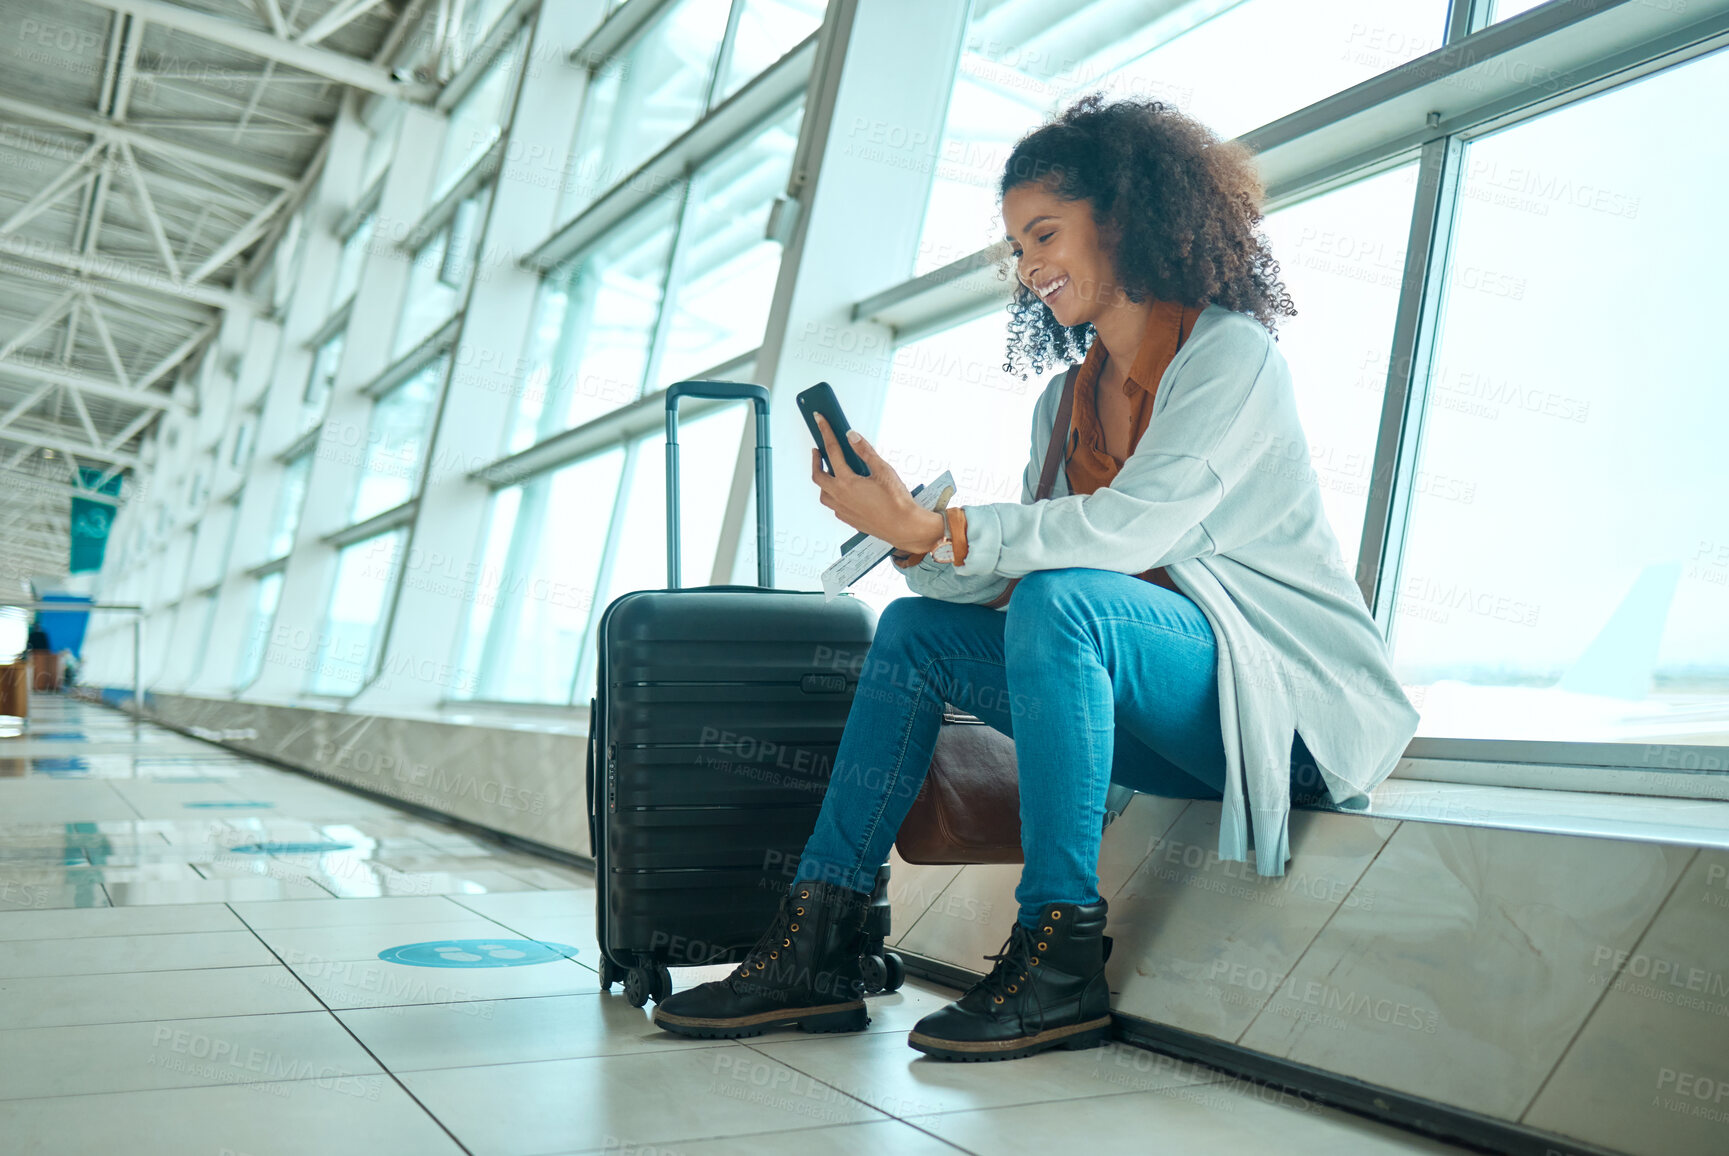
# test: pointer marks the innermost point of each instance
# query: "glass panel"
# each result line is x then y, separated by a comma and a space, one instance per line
477, 20
708, 451
171, 570
429, 302
477, 120
1506, 9
289, 499
286, 262
1342, 256
159, 625
189, 642
537, 581
767, 31
211, 549
440, 273
464, 243
1566, 574
320, 381
395, 442
593, 325
727, 270
494, 559
366, 573
636, 104
354, 249
253, 645
1232, 65
241, 451
382, 118
198, 487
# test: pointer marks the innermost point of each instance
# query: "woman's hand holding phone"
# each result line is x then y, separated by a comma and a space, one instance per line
880, 504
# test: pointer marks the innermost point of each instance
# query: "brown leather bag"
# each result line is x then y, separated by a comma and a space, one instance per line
969, 809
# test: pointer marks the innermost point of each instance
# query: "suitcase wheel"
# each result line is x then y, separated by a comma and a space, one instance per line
609, 974
650, 982
882, 971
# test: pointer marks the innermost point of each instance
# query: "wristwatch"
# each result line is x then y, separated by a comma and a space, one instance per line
944, 550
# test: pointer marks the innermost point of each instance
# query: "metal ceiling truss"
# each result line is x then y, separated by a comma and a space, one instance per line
145, 176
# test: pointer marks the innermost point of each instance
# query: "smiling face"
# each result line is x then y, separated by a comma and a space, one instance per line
1059, 253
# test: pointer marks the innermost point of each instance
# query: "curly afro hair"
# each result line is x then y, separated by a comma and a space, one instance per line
1180, 206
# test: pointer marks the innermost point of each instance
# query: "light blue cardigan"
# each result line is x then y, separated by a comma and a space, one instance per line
1220, 492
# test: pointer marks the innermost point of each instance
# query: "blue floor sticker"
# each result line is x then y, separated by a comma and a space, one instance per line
477, 953
289, 848
227, 805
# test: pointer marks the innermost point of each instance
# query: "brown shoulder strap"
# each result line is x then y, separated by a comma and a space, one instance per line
1059, 436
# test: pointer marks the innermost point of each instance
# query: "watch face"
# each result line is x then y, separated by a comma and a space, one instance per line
945, 551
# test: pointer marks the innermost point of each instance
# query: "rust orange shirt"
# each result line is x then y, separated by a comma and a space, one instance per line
1089, 465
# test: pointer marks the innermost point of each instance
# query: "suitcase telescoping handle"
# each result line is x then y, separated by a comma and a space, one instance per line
722, 390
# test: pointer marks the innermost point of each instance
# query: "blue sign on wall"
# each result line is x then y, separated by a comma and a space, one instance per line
477, 953
91, 521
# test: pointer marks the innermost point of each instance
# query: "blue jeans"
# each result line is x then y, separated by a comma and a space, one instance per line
1098, 677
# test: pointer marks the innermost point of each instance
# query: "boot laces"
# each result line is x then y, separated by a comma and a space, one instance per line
1011, 971
766, 952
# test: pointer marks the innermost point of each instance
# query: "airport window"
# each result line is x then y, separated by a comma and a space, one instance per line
381, 118
266, 592
181, 663
359, 601
285, 262
765, 31
479, 17
479, 118
658, 301
198, 486
441, 271
245, 434
726, 269
535, 595
289, 500
354, 250
593, 328
708, 448
396, 442
210, 550
1342, 256
321, 380
1518, 615
1507, 9
644, 97
171, 572
1233, 65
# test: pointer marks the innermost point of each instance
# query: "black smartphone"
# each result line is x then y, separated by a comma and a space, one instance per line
820, 398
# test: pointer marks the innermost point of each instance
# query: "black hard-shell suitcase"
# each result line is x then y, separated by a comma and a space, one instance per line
716, 717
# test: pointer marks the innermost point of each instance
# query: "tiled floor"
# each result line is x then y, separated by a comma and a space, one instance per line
168, 985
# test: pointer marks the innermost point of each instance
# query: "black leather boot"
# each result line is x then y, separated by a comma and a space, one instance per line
1047, 990
804, 971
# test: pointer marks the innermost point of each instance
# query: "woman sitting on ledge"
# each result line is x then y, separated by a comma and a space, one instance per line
1170, 618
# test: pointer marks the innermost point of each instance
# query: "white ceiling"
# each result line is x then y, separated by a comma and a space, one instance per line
150, 153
